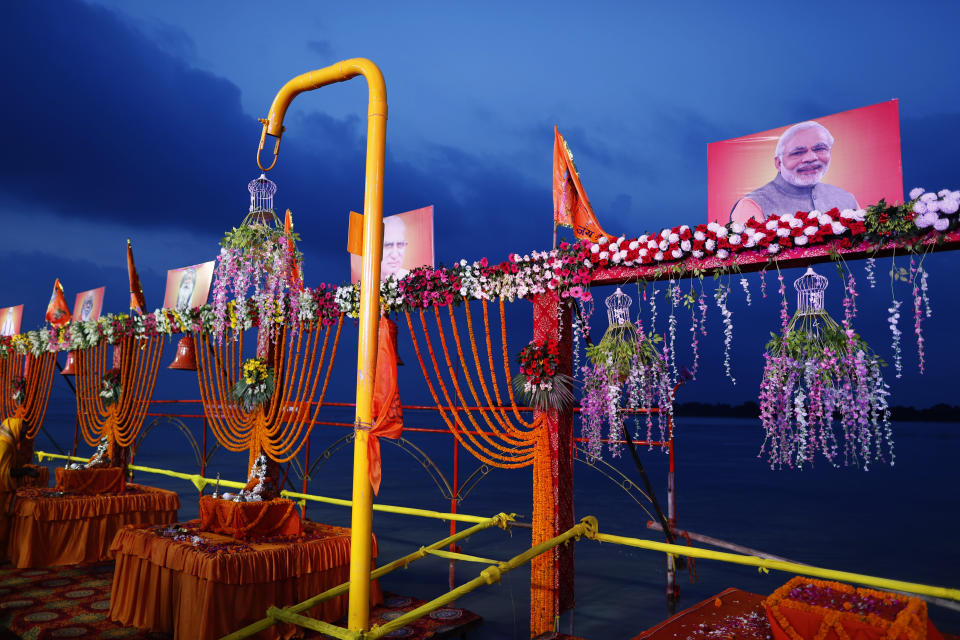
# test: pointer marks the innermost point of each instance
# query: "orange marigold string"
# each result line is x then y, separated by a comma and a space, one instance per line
471, 446
443, 343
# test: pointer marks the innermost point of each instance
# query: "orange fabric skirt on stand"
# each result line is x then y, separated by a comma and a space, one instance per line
91, 481
198, 585
49, 529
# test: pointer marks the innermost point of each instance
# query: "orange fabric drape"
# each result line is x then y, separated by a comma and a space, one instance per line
386, 399
47, 531
169, 586
10, 432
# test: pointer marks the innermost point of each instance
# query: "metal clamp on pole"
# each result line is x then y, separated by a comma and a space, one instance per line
263, 142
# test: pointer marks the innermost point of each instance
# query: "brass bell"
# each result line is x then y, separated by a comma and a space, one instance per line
186, 358
69, 369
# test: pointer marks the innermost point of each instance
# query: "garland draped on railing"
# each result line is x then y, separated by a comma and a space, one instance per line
281, 427
25, 383
497, 434
117, 418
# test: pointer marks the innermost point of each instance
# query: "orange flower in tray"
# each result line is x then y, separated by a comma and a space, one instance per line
808, 609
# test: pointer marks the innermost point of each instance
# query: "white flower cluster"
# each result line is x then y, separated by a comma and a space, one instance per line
473, 283
83, 334
348, 300
935, 210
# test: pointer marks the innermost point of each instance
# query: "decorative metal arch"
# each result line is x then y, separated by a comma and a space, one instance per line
403, 444
615, 476
197, 452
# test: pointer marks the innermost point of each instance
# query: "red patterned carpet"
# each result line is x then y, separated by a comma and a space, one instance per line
72, 602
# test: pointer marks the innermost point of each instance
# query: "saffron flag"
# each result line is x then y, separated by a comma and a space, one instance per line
296, 276
571, 208
137, 302
58, 313
387, 411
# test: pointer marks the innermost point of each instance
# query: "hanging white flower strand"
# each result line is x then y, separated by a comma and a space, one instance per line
893, 320
720, 295
746, 289
917, 313
697, 325
870, 267
673, 292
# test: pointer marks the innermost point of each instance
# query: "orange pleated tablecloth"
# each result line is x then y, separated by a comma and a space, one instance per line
197, 584
50, 527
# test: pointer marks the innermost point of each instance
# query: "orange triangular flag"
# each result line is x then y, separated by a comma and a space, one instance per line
58, 313
571, 208
137, 302
386, 399
295, 276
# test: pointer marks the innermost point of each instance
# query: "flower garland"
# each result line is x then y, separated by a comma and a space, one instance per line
256, 385
566, 272
110, 387
833, 603
539, 383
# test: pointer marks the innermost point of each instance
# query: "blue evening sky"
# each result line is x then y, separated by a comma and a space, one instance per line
138, 119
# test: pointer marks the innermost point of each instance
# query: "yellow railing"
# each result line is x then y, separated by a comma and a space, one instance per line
201, 481
780, 565
587, 528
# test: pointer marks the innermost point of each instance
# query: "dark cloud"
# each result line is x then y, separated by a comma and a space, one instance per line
110, 123
322, 48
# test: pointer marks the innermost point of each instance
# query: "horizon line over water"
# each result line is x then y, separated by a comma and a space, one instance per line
891, 521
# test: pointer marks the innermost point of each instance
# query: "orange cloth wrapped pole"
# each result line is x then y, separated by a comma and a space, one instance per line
386, 399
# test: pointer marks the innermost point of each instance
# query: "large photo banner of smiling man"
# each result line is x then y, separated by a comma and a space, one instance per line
847, 160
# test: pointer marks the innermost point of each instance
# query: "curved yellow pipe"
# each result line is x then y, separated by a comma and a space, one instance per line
339, 72
360, 539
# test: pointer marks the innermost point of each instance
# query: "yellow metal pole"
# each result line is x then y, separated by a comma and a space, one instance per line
361, 518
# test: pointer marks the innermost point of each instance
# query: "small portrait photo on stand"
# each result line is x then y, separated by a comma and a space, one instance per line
188, 287
10, 318
88, 305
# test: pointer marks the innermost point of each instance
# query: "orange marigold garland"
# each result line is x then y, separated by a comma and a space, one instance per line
844, 611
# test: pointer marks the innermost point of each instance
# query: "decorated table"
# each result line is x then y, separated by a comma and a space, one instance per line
198, 584
50, 527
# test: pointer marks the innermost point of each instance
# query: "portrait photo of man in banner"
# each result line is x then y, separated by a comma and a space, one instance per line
846, 160
88, 304
188, 287
10, 318
407, 243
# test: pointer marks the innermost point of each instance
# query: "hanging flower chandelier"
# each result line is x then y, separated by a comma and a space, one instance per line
260, 254
822, 389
